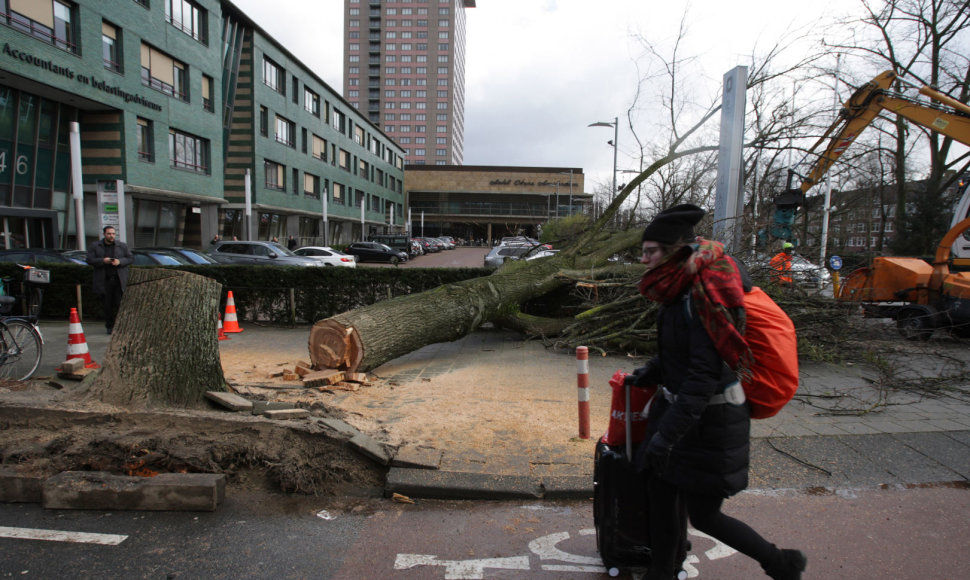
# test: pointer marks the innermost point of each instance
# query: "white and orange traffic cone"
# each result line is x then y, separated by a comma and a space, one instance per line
77, 345
222, 334
231, 322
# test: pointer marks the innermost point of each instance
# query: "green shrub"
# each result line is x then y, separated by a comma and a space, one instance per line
262, 293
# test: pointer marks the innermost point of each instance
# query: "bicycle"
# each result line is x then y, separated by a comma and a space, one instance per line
21, 343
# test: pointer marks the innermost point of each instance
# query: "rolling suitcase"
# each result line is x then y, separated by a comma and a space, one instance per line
620, 509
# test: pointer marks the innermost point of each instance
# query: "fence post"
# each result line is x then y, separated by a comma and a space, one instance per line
582, 382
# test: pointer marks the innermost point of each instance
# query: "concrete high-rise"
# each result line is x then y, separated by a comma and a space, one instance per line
404, 70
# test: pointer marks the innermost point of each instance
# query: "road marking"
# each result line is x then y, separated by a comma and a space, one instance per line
461, 569
61, 536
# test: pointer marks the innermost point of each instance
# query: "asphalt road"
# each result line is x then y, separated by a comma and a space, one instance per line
917, 532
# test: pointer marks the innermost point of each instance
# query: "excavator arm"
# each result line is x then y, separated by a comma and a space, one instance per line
857, 113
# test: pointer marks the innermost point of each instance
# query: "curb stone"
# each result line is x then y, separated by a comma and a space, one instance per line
107, 491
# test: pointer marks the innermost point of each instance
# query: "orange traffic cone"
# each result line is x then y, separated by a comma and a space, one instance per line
232, 323
222, 334
77, 345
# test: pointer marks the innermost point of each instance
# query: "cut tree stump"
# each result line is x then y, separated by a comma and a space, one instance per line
164, 348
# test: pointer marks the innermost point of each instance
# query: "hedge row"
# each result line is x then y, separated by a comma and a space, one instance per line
269, 294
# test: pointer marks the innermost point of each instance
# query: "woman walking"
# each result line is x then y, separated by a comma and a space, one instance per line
698, 433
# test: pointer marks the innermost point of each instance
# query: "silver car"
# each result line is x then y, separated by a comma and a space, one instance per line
258, 253
502, 253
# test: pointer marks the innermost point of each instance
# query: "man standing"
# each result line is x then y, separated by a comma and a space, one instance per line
291, 244
781, 265
110, 259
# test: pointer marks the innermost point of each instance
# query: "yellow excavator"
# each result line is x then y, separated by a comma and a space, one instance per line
921, 297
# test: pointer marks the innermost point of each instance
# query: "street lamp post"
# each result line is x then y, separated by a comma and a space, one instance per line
615, 123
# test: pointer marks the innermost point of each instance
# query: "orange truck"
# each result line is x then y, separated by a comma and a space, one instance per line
919, 296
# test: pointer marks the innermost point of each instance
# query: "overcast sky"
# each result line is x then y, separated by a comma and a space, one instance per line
538, 72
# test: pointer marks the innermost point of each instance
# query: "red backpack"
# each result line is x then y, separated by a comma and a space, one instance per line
771, 336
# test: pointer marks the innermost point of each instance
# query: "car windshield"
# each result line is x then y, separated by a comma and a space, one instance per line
387, 248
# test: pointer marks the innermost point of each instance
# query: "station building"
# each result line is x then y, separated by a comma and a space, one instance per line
179, 103
478, 202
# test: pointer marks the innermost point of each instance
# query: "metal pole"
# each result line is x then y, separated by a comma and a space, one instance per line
326, 223
823, 246
616, 147
77, 185
249, 205
363, 202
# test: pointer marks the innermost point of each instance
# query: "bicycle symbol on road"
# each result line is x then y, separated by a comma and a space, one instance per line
551, 559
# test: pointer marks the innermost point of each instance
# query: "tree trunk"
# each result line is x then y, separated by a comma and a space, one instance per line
164, 349
365, 338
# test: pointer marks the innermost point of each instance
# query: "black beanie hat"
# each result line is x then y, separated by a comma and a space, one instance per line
674, 225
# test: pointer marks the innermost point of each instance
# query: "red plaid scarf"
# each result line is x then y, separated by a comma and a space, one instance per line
716, 291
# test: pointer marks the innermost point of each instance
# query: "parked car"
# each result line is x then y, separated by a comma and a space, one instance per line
375, 252
260, 253
192, 255
446, 242
327, 256
416, 248
500, 254
427, 246
40, 255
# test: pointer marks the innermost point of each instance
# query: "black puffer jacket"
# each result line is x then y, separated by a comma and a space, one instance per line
710, 450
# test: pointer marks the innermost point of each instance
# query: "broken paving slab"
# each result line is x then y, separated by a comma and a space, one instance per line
231, 401
370, 447
108, 491
260, 407
286, 413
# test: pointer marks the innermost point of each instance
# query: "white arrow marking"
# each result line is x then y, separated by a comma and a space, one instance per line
60, 536
720, 549
461, 570
545, 548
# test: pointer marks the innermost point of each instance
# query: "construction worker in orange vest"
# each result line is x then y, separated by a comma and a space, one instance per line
781, 265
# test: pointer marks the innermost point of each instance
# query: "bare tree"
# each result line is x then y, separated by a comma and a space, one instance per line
925, 42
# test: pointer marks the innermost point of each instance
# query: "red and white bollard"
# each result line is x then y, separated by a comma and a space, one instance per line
582, 381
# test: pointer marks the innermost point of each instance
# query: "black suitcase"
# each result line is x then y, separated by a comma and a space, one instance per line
620, 509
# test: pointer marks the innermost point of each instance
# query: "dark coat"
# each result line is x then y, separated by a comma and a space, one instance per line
710, 452
95, 258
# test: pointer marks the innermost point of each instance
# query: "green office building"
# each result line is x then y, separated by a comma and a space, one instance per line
191, 121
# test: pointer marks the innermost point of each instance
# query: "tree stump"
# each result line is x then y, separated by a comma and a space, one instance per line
164, 349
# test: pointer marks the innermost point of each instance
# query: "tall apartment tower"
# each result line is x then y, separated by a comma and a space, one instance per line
404, 69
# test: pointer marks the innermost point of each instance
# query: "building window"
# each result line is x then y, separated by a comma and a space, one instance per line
110, 43
285, 131
358, 135
319, 148
338, 193
207, 102
263, 121
311, 185
344, 160
273, 76
188, 17
50, 21
163, 73
145, 140
275, 175
188, 151
143, 3
311, 102
337, 121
